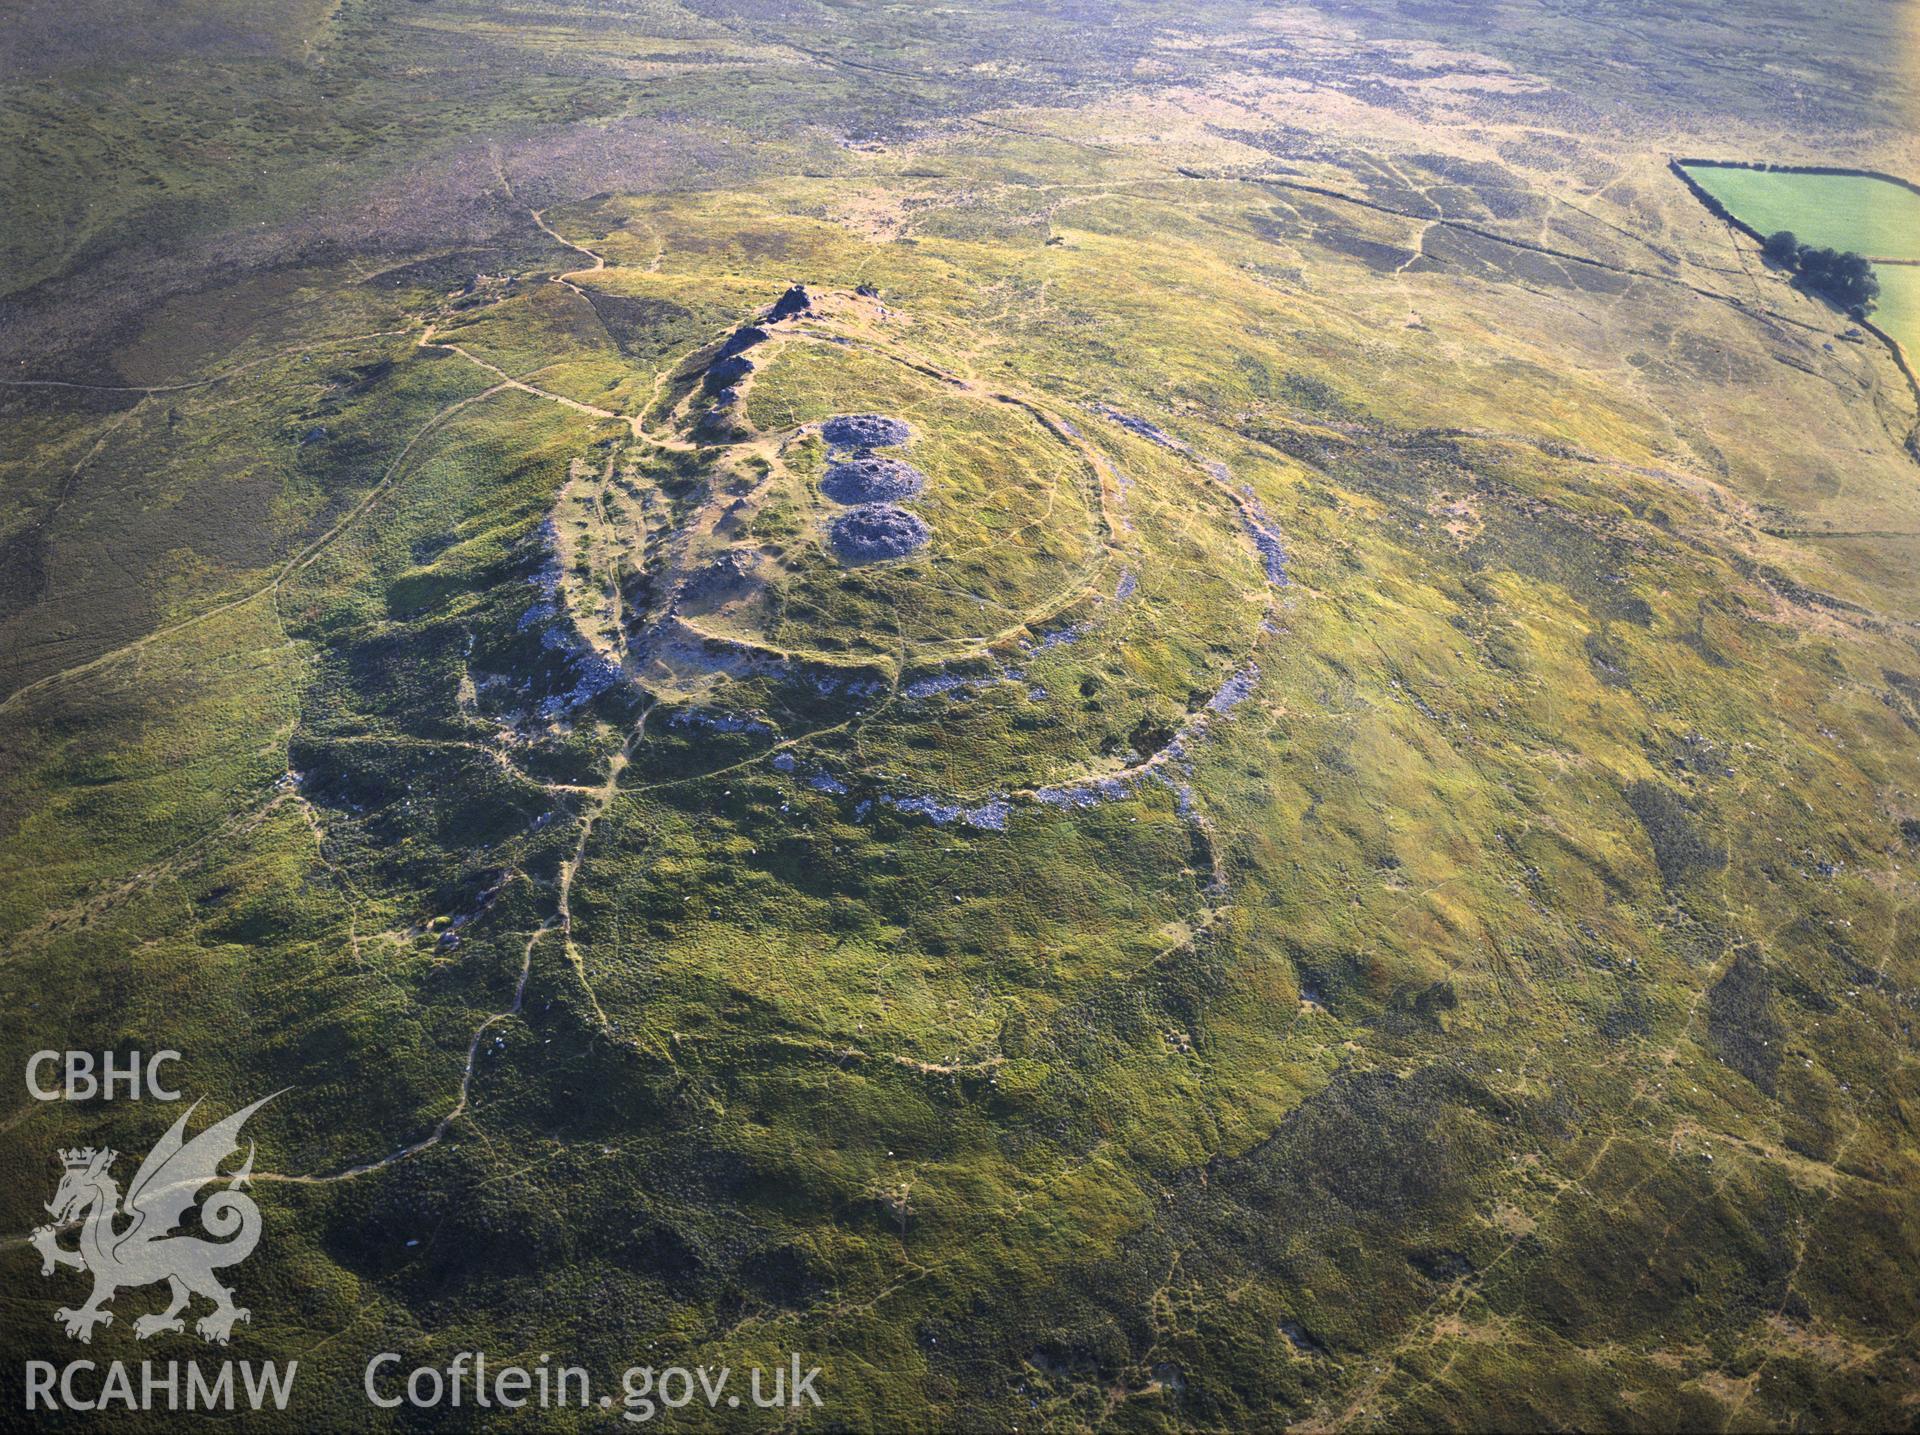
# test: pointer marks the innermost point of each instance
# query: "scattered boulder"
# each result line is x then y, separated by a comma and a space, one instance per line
863, 431
874, 532
795, 301
724, 373
871, 479
742, 339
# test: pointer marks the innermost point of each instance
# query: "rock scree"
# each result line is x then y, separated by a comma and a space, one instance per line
874, 528
862, 431
871, 479
874, 532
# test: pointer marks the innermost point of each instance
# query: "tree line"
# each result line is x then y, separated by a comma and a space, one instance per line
1847, 279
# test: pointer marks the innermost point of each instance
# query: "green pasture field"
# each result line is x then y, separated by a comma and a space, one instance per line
1854, 213
1897, 311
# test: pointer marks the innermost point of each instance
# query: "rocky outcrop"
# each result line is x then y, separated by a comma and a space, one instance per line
725, 373
795, 301
721, 423
727, 576
742, 339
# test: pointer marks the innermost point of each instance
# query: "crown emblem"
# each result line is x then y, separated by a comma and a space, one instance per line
170, 1183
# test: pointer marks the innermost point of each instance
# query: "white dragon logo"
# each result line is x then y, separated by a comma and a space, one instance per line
146, 1250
